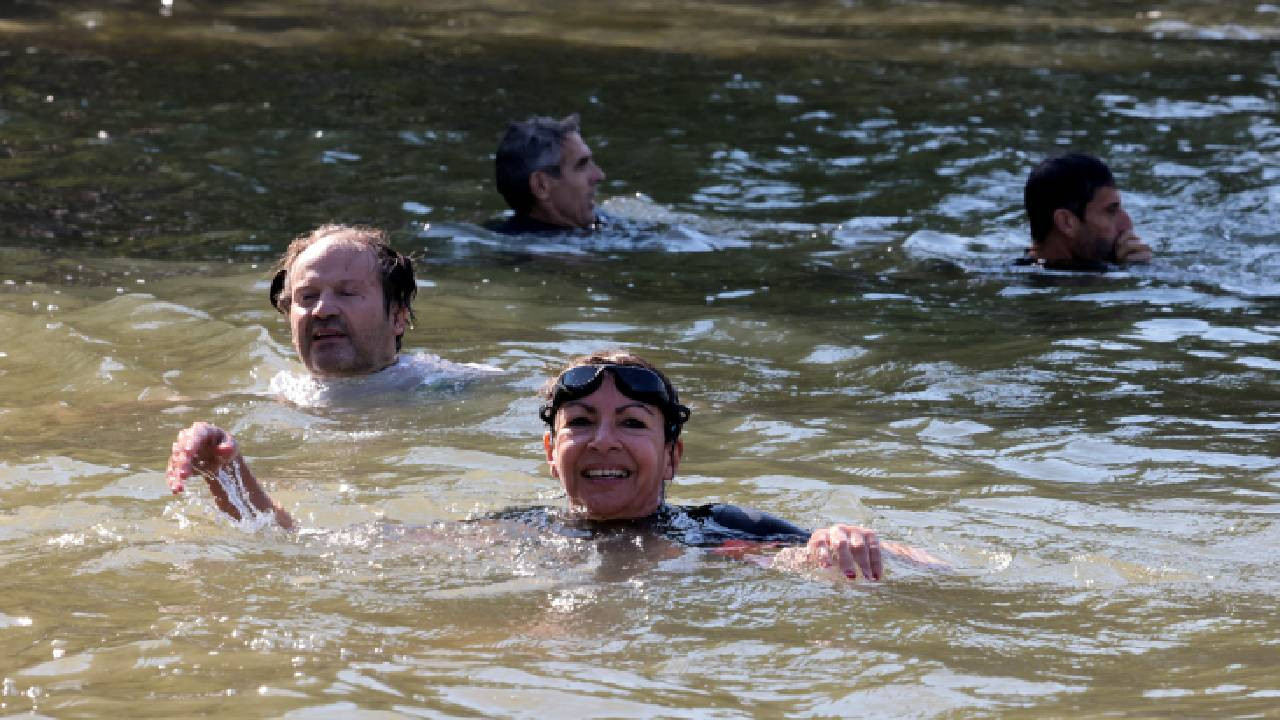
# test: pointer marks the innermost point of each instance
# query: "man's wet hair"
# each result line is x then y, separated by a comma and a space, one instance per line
1066, 181
527, 147
395, 270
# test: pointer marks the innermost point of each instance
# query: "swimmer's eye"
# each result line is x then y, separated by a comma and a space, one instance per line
635, 424
579, 421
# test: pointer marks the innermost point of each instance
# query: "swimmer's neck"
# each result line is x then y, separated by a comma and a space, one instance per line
552, 217
351, 376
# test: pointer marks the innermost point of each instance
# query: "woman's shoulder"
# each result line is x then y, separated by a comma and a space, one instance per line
713, 523
708, 525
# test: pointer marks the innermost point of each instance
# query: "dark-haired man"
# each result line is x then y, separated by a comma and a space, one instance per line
548, 177
1077, 221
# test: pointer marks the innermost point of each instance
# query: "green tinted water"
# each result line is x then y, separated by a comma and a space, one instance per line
830, 197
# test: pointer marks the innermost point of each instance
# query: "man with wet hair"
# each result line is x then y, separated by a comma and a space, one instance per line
548, 177
1077, 222
348, 295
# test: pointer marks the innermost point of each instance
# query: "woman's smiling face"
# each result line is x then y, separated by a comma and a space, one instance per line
610, 453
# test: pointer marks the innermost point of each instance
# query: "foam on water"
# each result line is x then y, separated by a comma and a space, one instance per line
409, 372
635, 224
826, 273
1173, 329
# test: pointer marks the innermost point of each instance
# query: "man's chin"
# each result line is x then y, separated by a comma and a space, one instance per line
345, 366
333, 366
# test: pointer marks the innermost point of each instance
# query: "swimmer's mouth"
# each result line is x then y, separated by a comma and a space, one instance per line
327, 335
610, 474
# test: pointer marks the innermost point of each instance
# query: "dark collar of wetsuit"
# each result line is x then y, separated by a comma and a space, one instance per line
1096, 266
521, 224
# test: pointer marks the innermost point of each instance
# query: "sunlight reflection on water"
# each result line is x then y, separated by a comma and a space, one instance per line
813, 214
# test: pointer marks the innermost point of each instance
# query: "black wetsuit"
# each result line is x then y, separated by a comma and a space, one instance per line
1094, 266
520, 224
709, 525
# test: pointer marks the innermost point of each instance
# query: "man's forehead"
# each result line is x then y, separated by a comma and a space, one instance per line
1105, 195
335, 256
574, 147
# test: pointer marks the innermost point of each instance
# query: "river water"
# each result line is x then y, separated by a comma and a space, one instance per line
815, 208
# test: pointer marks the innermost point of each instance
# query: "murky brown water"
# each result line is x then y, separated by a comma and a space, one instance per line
829, 194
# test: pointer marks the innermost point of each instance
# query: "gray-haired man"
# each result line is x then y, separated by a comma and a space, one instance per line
547, 175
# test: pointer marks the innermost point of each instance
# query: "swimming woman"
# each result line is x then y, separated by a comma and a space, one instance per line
613, 442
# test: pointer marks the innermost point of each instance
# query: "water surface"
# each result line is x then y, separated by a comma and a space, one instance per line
816, 204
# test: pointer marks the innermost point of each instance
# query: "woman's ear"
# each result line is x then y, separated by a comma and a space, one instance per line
549, 445
675, 451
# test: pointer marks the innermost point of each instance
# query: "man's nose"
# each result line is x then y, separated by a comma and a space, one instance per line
599, 175
325, 305
1126, 222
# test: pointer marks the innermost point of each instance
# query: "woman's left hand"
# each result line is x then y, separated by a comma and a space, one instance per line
854, 549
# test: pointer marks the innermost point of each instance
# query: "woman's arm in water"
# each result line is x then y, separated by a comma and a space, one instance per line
851, 547
854, 550
211, 452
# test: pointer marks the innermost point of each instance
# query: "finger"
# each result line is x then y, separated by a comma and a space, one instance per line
178, 470
1131, 248
863, 546
207, 447
848, 548
874, 556
186, 436
820, 548
861, 551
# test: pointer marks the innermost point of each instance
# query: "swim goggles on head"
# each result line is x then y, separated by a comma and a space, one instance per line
637, 383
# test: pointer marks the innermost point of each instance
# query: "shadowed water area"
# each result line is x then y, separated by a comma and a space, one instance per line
815, 208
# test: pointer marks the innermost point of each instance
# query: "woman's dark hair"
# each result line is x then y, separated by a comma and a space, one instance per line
395, 270
675, 414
